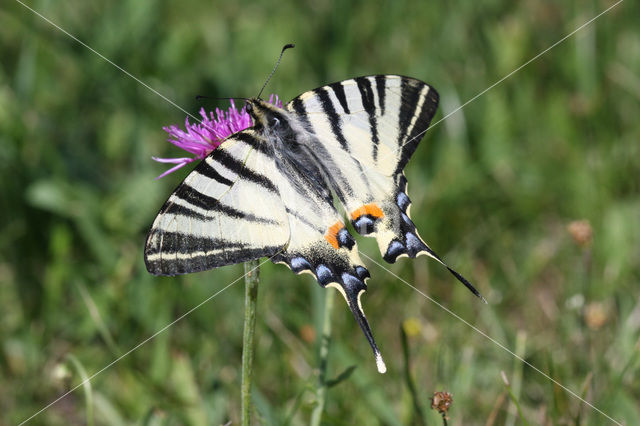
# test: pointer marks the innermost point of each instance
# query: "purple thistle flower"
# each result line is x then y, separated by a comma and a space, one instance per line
201, 138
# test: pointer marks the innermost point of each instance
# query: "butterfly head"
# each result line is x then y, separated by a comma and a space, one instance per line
265, 115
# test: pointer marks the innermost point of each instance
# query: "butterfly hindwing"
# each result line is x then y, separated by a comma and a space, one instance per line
324, 248
227, 210
321, 243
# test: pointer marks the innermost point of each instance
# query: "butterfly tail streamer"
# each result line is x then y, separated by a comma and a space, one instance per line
406, 241
459, 277
464, 281
352, 289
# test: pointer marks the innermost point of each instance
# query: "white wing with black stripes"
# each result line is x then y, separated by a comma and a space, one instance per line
368, 128
268, 190
228, 210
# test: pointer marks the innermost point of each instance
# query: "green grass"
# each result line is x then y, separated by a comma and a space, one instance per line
493, 188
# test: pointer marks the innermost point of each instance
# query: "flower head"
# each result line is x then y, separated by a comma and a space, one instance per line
581, 232
199, 139
441, 401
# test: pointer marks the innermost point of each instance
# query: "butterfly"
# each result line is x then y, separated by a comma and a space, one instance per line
269, 190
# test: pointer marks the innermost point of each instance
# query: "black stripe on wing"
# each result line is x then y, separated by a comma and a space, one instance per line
408, 105
210, 204
366, 93
381, 82
332, 116
255, 142
338, 90
178, 242
205, 169
297, 105
238, 167
410, 99
170, 265
304, 220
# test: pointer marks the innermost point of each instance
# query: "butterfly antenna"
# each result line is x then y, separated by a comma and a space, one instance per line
287, 46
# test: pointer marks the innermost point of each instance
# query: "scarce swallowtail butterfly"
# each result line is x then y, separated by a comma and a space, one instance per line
269, 190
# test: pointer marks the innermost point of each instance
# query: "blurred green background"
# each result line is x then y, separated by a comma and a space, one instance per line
496, 188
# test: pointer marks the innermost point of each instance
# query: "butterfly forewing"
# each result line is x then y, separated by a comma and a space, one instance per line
226, 211
375, 119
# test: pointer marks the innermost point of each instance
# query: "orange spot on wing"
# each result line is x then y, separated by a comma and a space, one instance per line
369, 209
358, 212
374, 210
332, 234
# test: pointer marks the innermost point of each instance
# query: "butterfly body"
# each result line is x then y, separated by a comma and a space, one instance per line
269, 190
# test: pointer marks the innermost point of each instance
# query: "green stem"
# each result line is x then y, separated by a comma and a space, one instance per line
86, 385
321, 392
251, 281
419, 418
514, 398
515, 384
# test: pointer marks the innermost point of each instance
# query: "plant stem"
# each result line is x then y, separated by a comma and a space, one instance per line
88, 392
515, 384
251, 281
513, 397
417, 410
321, 392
